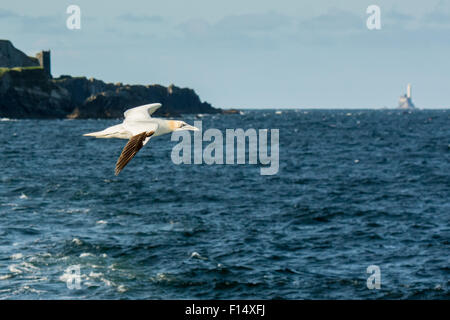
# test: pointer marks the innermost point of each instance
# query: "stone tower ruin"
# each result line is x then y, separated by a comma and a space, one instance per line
44, 60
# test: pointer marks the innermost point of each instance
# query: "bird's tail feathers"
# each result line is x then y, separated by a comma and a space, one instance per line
111, 132
97, 134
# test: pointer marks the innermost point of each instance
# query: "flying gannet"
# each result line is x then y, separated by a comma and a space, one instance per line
138, 126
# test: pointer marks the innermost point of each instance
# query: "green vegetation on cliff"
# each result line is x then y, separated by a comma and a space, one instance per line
17, 69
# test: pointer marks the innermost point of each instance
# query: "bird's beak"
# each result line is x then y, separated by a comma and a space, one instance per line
187, 127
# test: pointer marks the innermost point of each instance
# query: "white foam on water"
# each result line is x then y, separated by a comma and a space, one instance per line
95, 274
5, 276
107, 282
162, 277
86, 254
28, 267
39, 256
14, 268
102, 222
77, 241
16, 256
29, 289
23, 196
122, 288
197, 255
36, 278
77, 210
68, 276
90, 284
65, 276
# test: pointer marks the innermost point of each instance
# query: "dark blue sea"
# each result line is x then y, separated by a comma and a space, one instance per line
355, 188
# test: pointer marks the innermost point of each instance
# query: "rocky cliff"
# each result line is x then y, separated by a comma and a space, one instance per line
11, 57
28, 92
97, 99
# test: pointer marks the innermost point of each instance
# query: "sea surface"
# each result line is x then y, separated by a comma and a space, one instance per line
355, 188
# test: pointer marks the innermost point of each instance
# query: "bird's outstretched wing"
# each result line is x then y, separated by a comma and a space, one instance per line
142, 112
132, 147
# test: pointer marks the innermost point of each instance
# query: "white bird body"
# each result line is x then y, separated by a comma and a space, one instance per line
138, 127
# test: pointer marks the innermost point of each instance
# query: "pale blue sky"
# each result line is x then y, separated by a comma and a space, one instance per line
249, 53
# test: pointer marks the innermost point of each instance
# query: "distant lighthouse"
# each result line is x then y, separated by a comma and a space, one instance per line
405, 101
